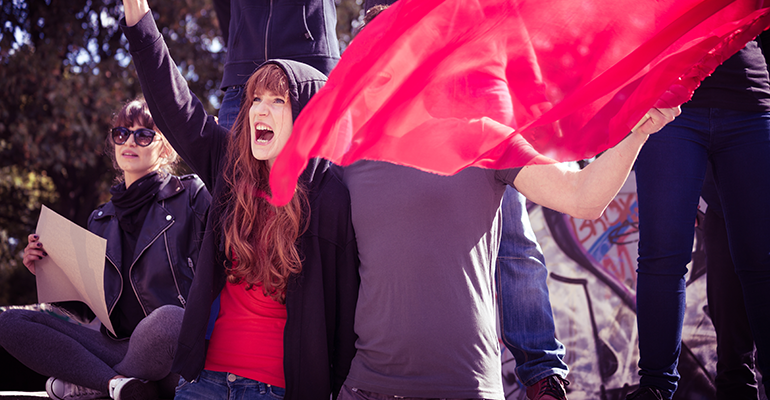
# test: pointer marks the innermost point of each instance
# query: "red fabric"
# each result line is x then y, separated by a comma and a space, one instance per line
248, 336
441, 85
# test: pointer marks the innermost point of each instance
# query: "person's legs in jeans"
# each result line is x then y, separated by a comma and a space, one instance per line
526, 317
223, 385
741, 162
231, 104
735, 379
669, 176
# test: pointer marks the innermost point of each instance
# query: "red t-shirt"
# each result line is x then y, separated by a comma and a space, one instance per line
248, 336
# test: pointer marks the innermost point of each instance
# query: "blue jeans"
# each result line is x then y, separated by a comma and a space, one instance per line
526, 318
735, 379
231, 104
223, 385
669, 174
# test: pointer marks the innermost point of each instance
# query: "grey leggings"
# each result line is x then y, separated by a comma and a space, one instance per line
86, 357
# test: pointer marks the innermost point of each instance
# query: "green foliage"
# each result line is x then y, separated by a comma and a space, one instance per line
22, 192
350, 15
64, 71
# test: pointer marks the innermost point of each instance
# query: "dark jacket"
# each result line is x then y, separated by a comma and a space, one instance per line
319, 342
258, 30
166, 250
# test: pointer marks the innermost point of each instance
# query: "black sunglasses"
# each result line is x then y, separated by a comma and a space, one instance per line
142, 136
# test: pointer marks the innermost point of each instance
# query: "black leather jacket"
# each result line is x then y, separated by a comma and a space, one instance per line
166, 250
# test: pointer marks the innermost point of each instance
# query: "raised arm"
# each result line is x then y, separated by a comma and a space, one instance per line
177, 112
586, 193
135, 10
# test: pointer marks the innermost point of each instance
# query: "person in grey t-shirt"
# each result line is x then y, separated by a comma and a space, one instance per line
427, 243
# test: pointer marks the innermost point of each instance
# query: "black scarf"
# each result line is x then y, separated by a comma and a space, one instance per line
131, 208
130, 204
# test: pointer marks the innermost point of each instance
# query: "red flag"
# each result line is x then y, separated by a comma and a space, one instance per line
441, 85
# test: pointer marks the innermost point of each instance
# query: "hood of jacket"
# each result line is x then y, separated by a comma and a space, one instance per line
304, 82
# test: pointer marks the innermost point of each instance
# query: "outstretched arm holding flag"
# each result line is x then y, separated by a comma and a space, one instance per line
586, 193
442, 85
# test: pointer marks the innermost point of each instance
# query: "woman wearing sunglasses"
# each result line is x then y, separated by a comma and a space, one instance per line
154, 225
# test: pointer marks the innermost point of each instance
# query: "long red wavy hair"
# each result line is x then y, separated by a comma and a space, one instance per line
261, 239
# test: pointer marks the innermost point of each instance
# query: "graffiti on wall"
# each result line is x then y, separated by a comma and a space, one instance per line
592, 283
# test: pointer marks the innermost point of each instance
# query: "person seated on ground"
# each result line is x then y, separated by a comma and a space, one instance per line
153, 224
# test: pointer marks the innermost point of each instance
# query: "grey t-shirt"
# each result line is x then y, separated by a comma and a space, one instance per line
425, 316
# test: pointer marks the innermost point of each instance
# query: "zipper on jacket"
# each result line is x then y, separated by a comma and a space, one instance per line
120, 291
191, 265
131, 269
173, 274
267, 28
308, 35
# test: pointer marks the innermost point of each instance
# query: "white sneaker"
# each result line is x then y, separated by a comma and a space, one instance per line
61, 390
132, 389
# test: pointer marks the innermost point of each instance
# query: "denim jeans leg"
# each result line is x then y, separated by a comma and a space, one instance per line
231, 104
735, 344
735, 379
209, 385
223, 385
526, 317
741, 161
670, 171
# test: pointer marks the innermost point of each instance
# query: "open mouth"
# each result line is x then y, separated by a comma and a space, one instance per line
264, 134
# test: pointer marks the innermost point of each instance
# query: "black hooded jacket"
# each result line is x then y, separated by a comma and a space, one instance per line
319, 342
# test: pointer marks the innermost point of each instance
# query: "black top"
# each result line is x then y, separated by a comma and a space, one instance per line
741, 83
131, 207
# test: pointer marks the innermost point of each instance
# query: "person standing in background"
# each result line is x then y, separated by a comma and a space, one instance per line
527, 324
256, 31
735, 378
726, 124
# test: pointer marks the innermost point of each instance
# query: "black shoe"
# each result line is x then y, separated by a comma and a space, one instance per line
645, 393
